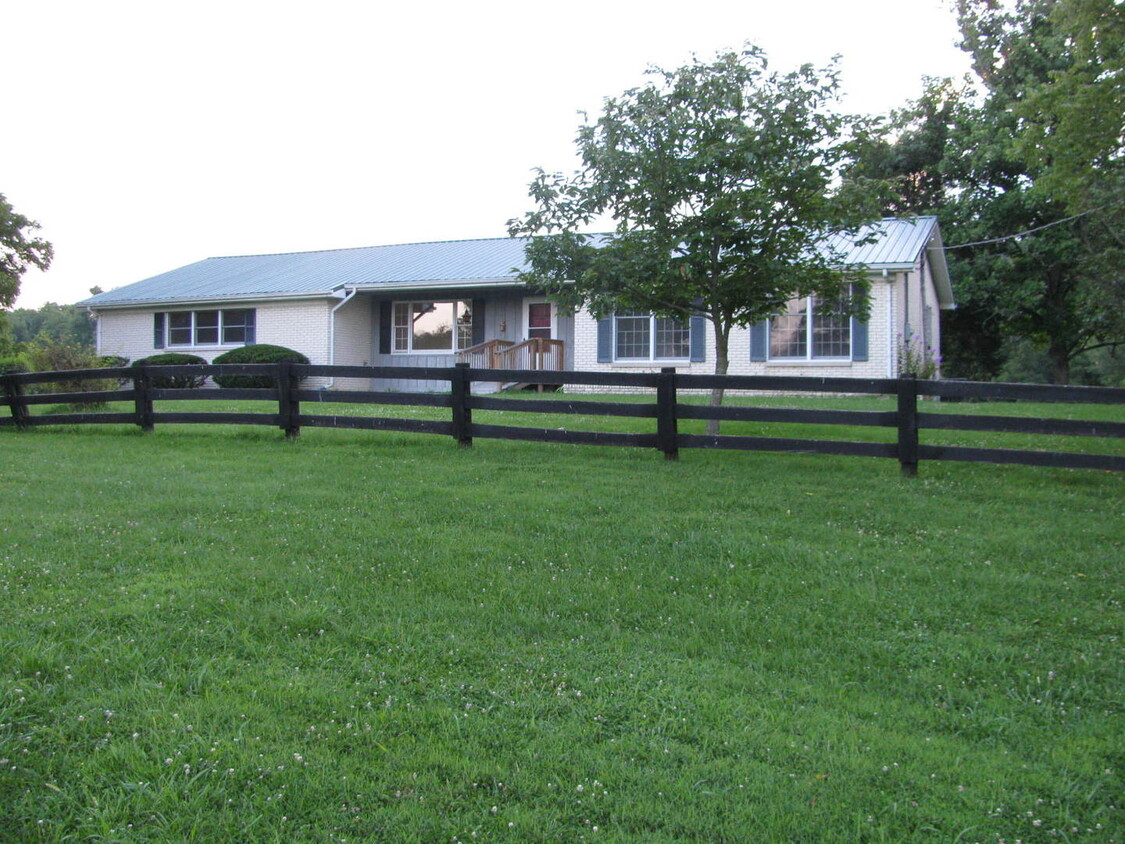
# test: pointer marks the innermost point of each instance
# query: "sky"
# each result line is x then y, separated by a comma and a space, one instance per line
144, 136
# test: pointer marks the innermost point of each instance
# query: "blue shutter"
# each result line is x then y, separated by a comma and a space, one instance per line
478, 321
384, 328
759, 340
158, 331
605, 340
859, 339
697, 332
251, 327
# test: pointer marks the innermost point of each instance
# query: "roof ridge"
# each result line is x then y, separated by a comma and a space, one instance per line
357, 248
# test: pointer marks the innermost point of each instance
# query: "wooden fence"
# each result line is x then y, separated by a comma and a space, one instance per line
292, 406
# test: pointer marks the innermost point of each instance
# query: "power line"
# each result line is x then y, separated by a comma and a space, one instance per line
1031, 231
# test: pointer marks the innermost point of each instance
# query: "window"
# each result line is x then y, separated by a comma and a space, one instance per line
204, 328
432, 326
638, 335
811, 327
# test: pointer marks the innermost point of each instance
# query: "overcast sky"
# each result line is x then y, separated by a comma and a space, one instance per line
147, 135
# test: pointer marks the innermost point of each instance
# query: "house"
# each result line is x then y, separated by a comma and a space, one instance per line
433, 304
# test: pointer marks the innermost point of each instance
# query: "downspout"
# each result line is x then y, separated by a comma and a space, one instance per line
332, 333
922, 297
889, 279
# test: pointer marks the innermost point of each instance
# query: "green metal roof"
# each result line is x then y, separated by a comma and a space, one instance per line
455, 263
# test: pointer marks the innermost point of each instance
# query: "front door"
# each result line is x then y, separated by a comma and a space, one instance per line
540, 319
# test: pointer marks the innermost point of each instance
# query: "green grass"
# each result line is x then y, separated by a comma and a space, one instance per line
212, 634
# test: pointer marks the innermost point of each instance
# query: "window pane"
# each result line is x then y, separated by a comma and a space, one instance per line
464, 325
633, 335
234, 325
673, 338
401, 327
433, 327
787, 330
832, 332
206, 328
179, 328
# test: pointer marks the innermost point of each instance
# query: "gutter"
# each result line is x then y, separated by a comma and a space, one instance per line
203, 301
348, 296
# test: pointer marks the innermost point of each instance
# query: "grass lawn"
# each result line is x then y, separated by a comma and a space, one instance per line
211, 634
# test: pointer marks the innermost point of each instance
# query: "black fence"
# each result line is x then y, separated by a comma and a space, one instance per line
140, 385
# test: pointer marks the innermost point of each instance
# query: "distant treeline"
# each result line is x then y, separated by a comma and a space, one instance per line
51, 322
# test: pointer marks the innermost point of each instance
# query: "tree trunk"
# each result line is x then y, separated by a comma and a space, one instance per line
1060, 363
722, 337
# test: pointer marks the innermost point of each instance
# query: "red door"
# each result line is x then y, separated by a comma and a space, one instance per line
539, 320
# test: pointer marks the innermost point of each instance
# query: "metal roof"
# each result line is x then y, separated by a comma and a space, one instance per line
455, 263
897, 242
319, 273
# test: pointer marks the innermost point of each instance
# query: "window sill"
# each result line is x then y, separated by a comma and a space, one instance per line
168, 348
806, 362
632, 364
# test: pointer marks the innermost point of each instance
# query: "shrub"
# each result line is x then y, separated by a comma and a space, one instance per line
46, 355
12, 366
115, 362
259, 353
174, 382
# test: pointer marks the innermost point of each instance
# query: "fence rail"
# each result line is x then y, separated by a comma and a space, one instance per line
293, 403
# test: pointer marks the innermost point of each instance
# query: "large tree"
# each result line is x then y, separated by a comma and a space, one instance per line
721, 180
1042, 152
1034, 147
18, 251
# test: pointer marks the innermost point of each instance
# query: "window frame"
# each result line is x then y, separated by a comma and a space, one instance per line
652, 330
195, 326
461, 333
809, 332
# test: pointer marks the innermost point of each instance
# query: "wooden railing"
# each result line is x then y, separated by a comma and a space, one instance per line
485, 355
535, 353
290, 403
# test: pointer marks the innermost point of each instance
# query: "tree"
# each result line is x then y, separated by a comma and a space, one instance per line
60, 323
722, 182
1013, 155
18, 251
1042, 153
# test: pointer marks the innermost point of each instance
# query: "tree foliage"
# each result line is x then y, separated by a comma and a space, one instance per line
19, 249
1012, 154
61, 323
721, 180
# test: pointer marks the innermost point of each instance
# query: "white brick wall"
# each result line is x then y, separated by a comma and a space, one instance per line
301, 325
355, 340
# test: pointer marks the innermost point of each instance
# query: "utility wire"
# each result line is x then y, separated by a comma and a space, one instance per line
1031, 231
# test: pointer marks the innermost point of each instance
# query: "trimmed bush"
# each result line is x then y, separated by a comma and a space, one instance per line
174, 382
258, 353
114, 362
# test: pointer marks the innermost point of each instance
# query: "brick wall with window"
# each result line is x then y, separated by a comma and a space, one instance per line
741, 356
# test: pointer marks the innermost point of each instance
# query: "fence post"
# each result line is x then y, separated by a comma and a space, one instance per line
288, 408
13, 389
666, 426
908, 425
142, 384
460, 390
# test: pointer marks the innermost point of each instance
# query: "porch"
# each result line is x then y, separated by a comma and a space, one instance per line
540, 354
